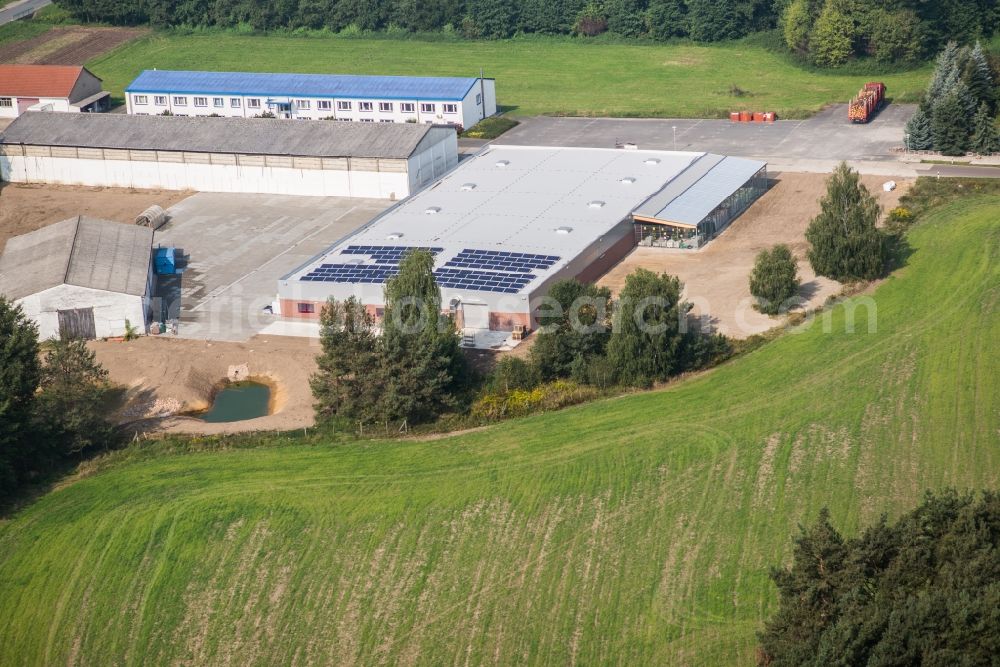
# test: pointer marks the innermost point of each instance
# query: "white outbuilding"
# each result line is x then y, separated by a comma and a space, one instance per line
258, 155
81, 278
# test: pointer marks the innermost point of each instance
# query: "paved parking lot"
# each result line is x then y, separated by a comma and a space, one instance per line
237, 246
826, 136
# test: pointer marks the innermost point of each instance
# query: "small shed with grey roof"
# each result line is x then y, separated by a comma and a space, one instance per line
262, 155
82, 277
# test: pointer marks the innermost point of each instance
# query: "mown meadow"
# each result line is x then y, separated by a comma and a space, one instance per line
535, 75
635, 530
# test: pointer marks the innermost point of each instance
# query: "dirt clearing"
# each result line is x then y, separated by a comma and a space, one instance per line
167, 375
27, 207
716, 279
67, 46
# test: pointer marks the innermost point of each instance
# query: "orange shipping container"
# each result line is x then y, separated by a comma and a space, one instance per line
746, 116
758, 117
734, 116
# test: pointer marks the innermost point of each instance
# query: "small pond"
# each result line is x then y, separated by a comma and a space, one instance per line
238, 401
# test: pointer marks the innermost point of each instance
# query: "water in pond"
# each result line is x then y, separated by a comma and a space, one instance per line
239, 401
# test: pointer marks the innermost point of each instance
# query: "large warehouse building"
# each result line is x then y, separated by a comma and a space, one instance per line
508, 223
218, 155
81, 278
385, 99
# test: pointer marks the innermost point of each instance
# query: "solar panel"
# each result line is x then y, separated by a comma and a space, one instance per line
496, 260
482, 281
385, 254
351, 273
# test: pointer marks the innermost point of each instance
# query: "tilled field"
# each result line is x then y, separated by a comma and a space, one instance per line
67, 46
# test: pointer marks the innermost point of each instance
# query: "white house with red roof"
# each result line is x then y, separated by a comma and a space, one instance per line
50, 88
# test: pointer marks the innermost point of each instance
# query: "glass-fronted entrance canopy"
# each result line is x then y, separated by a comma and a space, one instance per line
700, 203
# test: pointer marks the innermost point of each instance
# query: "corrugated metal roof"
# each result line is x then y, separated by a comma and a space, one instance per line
38, 80
81, 251
256, 136
306, 85
701, 196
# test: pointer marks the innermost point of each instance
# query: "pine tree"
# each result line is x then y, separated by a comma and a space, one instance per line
984, 132
978, 76
345, 384
773, 281
647, 341
72, 406
945, 66
423, 371
20, 373
919, 136
845, 245
950, 125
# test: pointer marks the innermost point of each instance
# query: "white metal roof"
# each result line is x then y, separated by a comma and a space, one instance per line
696, 192
516, 199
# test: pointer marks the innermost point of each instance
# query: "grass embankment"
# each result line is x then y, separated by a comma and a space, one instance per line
637, 530
559, 76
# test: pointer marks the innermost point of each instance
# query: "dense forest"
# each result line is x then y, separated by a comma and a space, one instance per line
826, 32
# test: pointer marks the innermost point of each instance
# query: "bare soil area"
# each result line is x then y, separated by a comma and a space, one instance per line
167, 377
27, 207
68, 46
716, 278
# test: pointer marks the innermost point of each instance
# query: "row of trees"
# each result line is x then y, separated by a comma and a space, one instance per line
921, 591
52, 407
415, 370
831, 32
827, 31
958, 111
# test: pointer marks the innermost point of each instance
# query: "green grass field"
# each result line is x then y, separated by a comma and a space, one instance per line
637, 530
537, 76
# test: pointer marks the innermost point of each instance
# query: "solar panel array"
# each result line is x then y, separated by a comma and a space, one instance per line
477, 270
501, 261
351, 273
482, 281
384, 254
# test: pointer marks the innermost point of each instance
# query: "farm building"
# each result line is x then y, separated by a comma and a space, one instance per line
81, 278
49, 88
509, 222
218, 155
386, 99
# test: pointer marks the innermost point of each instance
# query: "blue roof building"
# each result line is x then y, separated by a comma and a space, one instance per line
461, 101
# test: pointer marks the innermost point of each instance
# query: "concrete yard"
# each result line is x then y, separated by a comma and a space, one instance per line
236, 248
826, 136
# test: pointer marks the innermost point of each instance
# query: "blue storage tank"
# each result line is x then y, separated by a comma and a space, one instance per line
165, 262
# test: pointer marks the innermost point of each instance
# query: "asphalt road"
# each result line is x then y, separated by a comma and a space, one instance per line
826, 136
20, 10
957, 171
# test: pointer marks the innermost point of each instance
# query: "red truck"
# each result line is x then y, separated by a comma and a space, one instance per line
867, 103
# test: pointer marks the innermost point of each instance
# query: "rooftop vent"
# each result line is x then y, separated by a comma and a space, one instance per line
395, 236
563, 230
597, 203
503, 163
627, 180
652, 161
467, 187
431, 210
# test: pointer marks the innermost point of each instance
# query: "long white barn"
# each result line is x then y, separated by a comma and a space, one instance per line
457, 101
219, 155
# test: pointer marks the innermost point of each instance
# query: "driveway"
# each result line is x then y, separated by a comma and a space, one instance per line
826, 136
